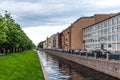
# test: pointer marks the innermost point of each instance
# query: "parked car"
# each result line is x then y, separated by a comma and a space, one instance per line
83, 52
115, 55
90, 53
101, 53
60, 50
77, 52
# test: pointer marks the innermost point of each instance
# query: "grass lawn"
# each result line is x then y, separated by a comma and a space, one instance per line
21, 66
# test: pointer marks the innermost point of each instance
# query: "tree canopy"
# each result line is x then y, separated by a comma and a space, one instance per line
40, 45
11, 34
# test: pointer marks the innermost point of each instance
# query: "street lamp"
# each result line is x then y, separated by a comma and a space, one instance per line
102, 39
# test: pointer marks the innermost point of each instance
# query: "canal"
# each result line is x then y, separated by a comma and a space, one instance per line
61, 69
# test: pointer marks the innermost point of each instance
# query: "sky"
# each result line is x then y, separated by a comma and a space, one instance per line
40, 19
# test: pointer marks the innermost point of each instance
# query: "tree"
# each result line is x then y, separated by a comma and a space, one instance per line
2, 31
40, 45
12, 37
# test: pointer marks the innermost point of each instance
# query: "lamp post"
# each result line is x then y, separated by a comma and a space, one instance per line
84, 43
102, 39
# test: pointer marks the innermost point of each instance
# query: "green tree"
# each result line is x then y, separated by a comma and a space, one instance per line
2, 31
12, 37
40, 45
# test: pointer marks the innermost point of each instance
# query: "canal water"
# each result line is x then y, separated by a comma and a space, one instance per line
61, 69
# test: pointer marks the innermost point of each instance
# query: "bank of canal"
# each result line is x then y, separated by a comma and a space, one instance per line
20, 66
61, 69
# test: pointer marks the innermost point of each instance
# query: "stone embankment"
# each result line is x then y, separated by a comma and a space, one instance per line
109, 67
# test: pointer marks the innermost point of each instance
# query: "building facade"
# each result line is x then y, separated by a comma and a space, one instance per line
79, 36
66, 38
49, 43
44, 45
76, 32
105, 34
77, 40
56, 41
53, 42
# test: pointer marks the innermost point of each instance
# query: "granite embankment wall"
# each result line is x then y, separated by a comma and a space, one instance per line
110, 67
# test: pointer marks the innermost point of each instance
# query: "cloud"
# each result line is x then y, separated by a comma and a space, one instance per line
38, 18
40, 33
39, 13
108, 3
45, 12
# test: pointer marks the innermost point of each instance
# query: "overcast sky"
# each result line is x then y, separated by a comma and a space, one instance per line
42, 18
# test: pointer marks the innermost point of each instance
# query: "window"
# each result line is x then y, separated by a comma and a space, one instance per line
114, 37
95, 33
105, 24
85, 35
105, 45
92, 28
102, 24
98, 39
99, 32
118, 27
114, 28
105, 31
118, 36
86, 30
88, 35
68, 32
109, 45
96, 45
106, 37
110, 37
118, 45
96, 27
109, 22
99, 46
114, 21
114, 45
118, 19
109, 29
102, 31
99, 26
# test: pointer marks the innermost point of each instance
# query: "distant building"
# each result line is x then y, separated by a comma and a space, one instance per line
66, 38
50, 42
44, 45
53, 42
57, 41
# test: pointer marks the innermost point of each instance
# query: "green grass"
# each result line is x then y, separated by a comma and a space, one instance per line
21, 66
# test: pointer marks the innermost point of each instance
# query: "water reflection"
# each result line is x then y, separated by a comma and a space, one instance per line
60, 69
